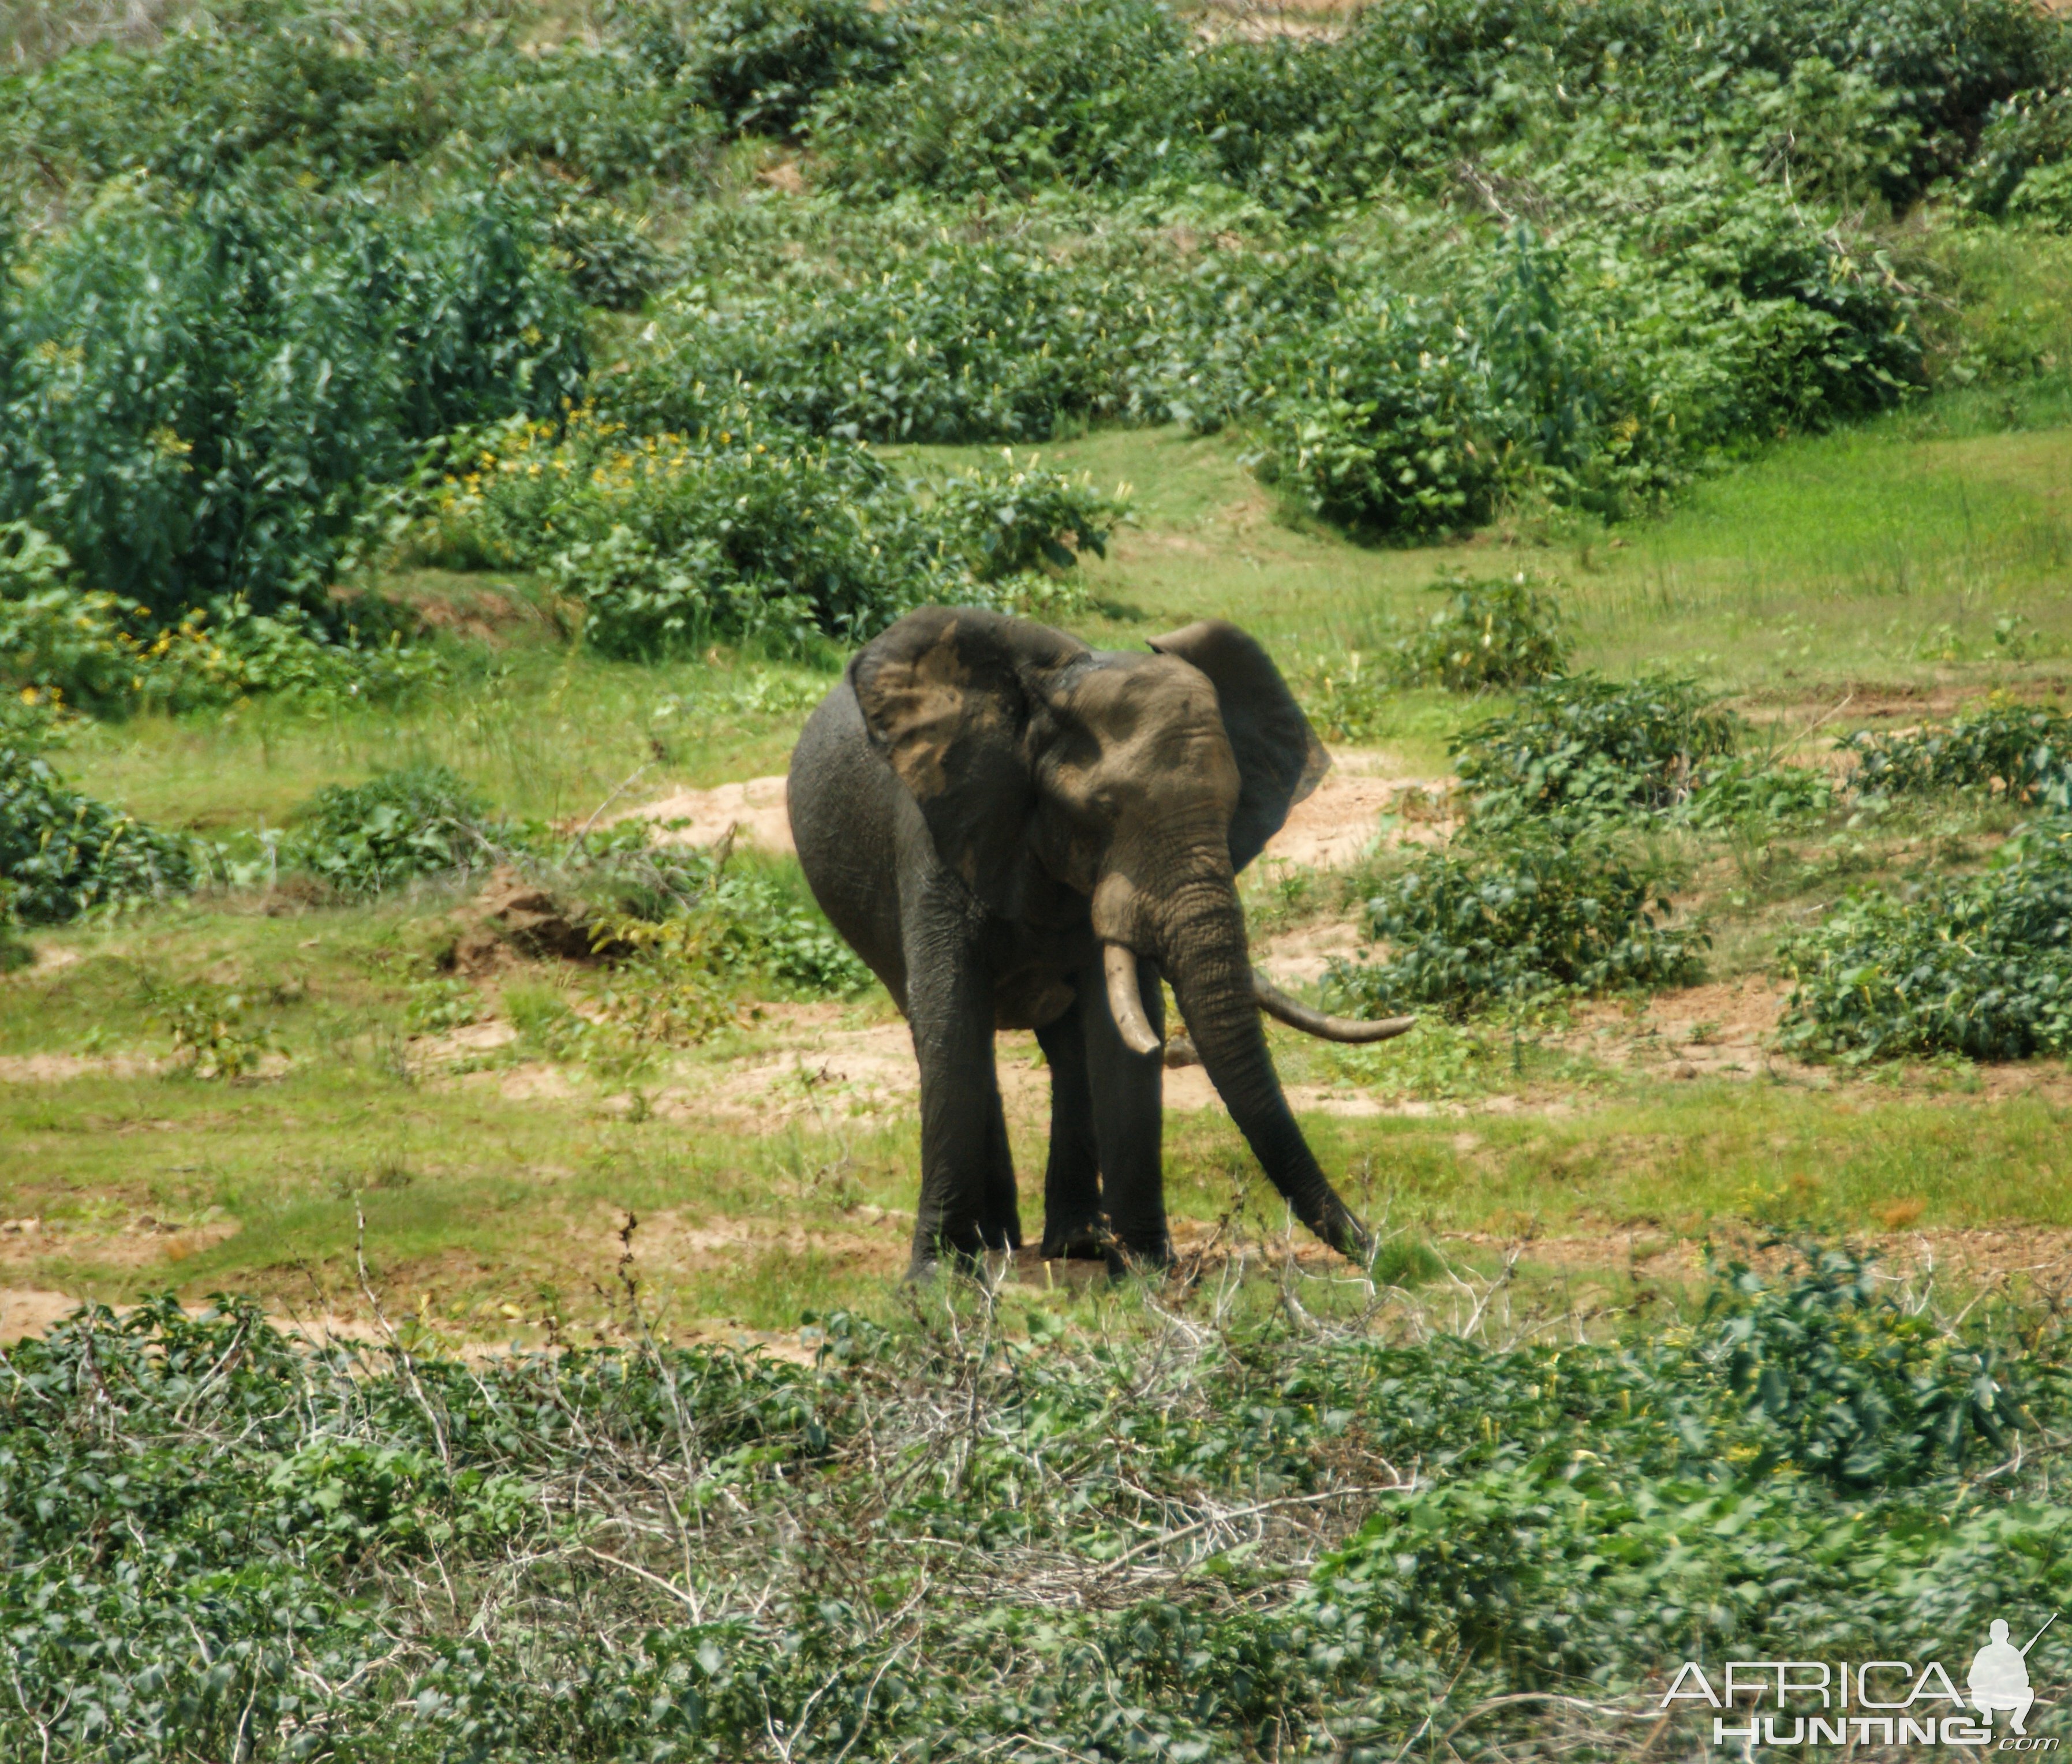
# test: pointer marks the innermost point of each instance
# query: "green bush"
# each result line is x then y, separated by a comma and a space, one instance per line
923, 340
1526, 913
1595, 748
666, 540
88, 652
1491, 631
1793, 1470
611, 261
240, 85
63, 853
1392, 431
1748, 793
2021, 167
420, 820
1980, 966
1843, 101
1003, 99
1018, 520
765, 64
698, 927
197, 392
2023, 751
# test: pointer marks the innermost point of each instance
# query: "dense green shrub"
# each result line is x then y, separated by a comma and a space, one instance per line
196, 393
764, 64
1017, 520
88, 652
1748, 793
1391, 431
1525, 913
697, 927
611, 261
1491, 631
271, 84
1598, 360
666, 540
1792, 1473
1587, 746
928, 340
420, 820
1839, 98
61, 854
1980, 966
2023, 166
1000, 98
2023, 751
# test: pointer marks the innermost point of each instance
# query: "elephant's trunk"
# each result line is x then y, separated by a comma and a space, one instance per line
1201, 951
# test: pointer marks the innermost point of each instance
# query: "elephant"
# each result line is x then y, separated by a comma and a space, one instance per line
1014, 830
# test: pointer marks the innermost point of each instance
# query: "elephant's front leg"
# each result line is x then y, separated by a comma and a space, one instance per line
1072, 1222
968, 1200
1128, 1093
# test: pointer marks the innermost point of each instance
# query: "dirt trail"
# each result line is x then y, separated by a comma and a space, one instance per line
1332, 827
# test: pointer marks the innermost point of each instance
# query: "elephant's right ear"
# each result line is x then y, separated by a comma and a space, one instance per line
947, 694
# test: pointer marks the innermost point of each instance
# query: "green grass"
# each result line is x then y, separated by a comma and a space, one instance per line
1876, 559
546, 734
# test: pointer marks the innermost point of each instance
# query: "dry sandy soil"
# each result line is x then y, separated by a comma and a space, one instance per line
1326, 831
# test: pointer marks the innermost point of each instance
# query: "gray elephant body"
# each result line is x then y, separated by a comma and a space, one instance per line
990, 813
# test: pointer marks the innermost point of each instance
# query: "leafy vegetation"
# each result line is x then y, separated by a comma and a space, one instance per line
421, 820
1980, 965
235, 1531
632, 346
1502, 631
2021, 751
1592, 748
62, 852
73, 646
1521, 912
199, 390
665, 541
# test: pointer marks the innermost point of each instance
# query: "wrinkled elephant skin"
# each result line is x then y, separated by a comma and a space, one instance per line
1016, 831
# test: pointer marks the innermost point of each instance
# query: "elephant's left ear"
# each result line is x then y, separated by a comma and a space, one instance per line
1278, 755
946, 694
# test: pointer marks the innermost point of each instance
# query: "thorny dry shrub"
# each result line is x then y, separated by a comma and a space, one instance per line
1186, 1532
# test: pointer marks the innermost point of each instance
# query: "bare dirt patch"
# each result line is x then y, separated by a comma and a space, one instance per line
1340, 822
754, 808
1722, 1030
1300, 956
62, 1068
535, 1081
30, 1310
454, 1046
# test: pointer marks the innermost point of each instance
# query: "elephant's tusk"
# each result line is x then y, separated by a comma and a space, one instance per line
1125, 1004
1276, 1003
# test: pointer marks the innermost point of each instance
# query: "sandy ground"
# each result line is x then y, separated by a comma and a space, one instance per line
1329, 830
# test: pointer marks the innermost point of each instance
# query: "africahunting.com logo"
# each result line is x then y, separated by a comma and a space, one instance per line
1883, 1703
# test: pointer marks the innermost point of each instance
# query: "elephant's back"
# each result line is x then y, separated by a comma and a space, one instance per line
846, 803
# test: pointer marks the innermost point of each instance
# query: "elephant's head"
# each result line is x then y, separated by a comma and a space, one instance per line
1144, 783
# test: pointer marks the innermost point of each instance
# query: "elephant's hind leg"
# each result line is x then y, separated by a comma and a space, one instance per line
1072, 1223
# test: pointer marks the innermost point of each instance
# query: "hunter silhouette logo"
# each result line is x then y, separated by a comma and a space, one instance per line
1999, 1676
1881, 1703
